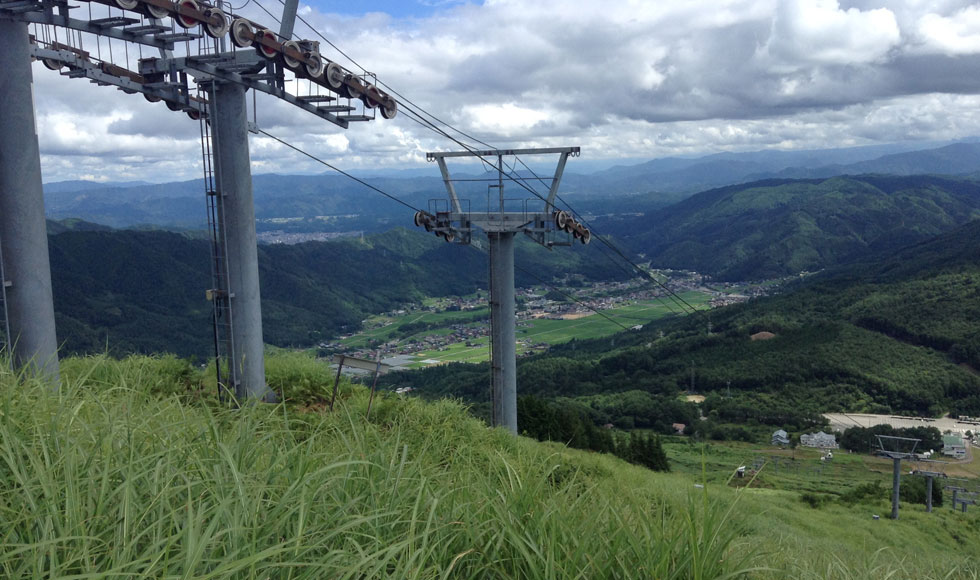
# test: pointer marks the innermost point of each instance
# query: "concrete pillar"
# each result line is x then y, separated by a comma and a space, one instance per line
233, 181
504, 340
23, 231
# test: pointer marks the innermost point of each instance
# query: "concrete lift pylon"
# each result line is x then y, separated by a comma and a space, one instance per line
500, 222
28, 299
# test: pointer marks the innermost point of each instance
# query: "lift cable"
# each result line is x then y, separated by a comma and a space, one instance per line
680, 302
614, 248
572, 298
264, 9
338, 170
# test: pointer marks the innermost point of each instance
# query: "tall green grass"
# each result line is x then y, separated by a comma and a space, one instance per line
129, 471
119, 474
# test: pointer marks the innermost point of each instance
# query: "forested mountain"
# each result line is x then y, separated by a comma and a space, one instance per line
135, 291
895, 336
780, 227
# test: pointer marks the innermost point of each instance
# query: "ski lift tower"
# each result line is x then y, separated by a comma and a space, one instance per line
896, 449
503, 219
191, 39
25, 283
930, 469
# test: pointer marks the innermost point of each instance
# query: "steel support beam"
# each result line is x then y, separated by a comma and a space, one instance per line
503, 337
233, 180
30, 305
288, 19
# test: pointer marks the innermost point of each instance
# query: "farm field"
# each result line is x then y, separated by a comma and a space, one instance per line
535, 333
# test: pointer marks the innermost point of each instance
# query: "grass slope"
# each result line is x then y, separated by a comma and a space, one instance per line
130, 470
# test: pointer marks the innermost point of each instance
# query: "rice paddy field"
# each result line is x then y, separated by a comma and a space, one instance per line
532, 334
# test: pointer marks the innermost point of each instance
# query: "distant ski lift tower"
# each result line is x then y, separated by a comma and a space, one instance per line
504, 217
896, 449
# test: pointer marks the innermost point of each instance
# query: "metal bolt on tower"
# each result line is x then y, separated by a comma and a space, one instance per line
502, 220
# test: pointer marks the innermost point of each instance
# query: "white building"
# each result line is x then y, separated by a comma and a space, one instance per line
780, 437
819, 439
954, 447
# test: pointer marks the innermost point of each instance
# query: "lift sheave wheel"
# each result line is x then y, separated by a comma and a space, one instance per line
348, 89
314, 65
51, 64
217, 26
290, 62
241, 33
183, 20
260, 35
418, 219
561, 220
127, 4
155, 11
586, 237
389, 109
371, 97
333, 76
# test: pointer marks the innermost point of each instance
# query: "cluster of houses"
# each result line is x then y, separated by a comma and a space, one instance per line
819, 440
953, 445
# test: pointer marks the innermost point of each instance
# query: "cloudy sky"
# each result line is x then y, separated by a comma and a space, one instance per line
622, 79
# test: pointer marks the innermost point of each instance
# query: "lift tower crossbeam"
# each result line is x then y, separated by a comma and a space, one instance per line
503, 219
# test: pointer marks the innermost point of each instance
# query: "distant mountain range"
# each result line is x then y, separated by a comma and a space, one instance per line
335, 203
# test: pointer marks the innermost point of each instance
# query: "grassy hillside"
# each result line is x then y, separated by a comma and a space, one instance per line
131, 471
781, 227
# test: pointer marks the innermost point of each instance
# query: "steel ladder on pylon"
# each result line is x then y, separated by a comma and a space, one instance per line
219, 294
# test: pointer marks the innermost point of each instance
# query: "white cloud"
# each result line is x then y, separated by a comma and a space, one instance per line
631, 78
821, 32
958, 33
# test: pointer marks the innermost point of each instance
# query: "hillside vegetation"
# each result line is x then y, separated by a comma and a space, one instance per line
775, 228
134, 291
887, 337
131, 470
